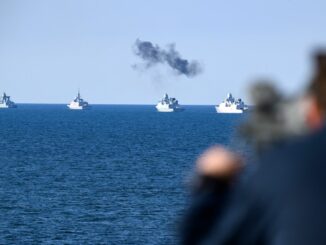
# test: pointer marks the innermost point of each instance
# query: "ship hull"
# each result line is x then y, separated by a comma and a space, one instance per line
165, 109
8, 107
78, 107
229, 110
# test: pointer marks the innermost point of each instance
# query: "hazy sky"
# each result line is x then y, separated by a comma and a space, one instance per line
49, 49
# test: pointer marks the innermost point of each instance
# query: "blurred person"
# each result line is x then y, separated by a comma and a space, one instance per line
284, 200
317, 93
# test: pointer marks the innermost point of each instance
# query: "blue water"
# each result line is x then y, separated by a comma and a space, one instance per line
110, 175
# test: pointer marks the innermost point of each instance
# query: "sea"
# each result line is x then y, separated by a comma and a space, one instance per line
115, 174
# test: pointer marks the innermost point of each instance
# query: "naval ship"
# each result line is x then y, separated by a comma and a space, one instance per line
6, 103
78, 103
231, 105
168, 104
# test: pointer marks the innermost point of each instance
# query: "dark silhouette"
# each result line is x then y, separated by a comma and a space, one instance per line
280, 201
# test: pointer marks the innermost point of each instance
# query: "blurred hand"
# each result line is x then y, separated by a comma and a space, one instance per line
219, 162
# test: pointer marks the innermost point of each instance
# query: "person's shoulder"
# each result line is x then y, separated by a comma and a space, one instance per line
296, 150
291, 161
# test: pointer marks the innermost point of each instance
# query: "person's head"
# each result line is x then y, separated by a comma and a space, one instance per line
317, 92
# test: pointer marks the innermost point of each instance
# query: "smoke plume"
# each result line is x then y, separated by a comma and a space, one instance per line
152, 55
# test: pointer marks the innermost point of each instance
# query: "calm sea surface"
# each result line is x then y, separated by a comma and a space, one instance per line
110, 175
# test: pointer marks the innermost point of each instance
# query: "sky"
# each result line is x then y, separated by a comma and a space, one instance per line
51, 48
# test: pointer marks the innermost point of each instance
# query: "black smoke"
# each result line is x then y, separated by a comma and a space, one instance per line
152, 55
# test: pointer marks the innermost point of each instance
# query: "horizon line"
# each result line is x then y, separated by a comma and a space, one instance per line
45, 103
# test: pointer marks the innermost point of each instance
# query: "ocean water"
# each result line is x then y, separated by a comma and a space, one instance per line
110, 175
